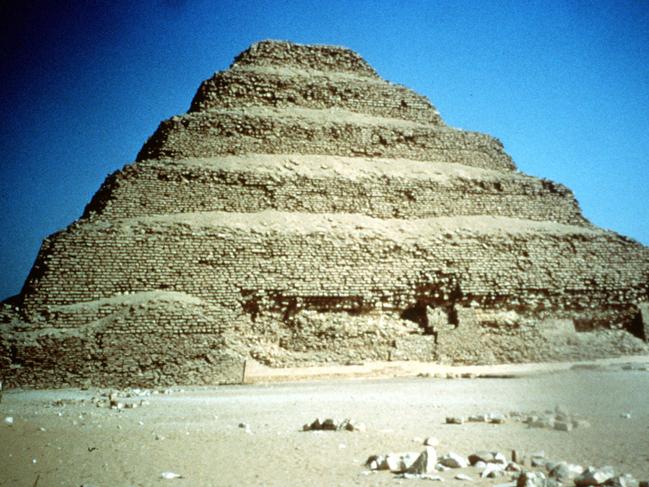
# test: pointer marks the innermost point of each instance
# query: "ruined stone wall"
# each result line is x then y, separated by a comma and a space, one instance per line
286, 185
243, 262
111, 360
328, 290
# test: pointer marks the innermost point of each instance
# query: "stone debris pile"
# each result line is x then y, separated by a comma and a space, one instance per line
493, 418
124, 399
558, 419
329, 424
130, 398
533, 470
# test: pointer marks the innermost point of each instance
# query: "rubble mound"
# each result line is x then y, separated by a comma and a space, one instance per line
306, 211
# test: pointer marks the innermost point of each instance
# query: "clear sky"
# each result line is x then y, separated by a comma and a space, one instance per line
563, 84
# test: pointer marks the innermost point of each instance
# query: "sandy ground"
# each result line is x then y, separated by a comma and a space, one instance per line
195, 432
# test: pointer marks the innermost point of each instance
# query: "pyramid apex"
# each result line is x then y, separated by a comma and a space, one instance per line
318, 57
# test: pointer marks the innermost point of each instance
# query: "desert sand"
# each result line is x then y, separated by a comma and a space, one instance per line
251, 434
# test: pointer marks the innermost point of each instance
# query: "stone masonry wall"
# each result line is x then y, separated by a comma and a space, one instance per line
242, 186
111, 360
274, 131
239, 263
275, 87
330, 289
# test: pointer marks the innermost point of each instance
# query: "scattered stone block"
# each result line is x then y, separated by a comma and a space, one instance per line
493, 470
425, 462
401, 462
453, 460
565, 471
330, 424
594, 476
531, 479
454, 420
479, 418
497, 418
625, 480
563, 426
394, 462
487, 457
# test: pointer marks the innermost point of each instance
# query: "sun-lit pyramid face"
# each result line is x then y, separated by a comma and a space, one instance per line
306, 211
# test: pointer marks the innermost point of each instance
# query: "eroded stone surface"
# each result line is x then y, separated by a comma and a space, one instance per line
306, 211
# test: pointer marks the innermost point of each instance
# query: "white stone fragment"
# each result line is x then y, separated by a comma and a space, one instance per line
170, 475
425, 462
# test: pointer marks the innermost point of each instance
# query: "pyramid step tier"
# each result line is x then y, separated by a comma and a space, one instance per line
306, 131
382, 188
337, 262
284, 88
309, 57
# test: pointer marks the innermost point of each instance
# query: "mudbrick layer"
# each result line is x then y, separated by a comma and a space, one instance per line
305, 211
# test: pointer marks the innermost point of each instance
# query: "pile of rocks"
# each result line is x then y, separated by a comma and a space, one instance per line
558, 419
532, 470
564, 473
125, 399
427, 463
330, 424
494, 418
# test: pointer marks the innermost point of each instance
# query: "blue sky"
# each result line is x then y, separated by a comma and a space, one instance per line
563, 84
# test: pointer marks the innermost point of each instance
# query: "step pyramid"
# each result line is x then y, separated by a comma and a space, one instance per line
306, 211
